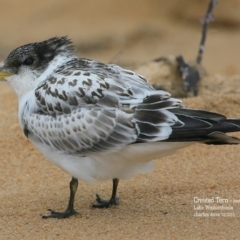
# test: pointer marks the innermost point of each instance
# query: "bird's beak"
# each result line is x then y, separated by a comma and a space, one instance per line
3, 75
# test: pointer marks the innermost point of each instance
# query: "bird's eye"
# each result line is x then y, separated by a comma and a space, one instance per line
28, 61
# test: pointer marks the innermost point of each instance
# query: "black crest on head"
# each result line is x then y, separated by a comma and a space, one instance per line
38, 55
48, 49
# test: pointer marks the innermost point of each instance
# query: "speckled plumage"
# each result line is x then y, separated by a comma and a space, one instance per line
80, 107
94, 107
99, 121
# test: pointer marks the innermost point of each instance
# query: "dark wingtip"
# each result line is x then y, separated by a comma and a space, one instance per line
219, 138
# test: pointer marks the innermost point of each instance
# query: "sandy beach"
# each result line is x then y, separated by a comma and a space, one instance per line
160, 205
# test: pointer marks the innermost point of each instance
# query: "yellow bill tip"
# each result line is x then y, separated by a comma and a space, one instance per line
3, 75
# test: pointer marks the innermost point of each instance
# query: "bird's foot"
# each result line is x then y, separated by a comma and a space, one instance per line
105, 203
66, 214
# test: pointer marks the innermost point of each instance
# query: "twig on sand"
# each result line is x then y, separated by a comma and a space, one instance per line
205, 20
191, 76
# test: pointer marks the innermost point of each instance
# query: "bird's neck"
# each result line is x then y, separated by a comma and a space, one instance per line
53, 65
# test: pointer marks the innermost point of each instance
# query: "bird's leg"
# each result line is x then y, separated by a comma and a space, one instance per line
114, 200
70, 208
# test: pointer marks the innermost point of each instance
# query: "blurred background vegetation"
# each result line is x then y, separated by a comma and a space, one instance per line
127, 32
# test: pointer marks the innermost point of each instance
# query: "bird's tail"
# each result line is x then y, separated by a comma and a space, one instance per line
203, 126
219, 138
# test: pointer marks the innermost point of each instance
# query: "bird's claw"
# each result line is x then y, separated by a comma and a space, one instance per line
105, 203
54, 214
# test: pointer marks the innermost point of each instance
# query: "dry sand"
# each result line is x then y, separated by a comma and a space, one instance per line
159, 205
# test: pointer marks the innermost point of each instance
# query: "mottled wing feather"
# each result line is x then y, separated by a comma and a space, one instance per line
87, 106
81, 82
83, 131
117, 108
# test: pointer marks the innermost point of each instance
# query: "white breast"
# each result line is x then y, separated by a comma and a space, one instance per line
135, 158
